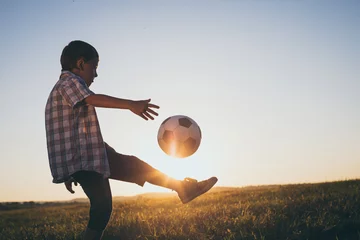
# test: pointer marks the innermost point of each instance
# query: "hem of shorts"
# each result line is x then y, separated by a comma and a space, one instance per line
141, 184
62, 180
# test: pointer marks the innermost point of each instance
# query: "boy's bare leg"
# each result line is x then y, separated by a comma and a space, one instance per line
158, 178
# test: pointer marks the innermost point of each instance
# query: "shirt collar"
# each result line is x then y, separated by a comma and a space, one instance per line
67, 73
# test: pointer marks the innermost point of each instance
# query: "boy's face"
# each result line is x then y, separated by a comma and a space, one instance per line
88, 71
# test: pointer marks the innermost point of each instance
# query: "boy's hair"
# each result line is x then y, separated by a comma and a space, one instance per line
74, 51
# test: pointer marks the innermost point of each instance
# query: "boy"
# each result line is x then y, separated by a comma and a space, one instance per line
76, 150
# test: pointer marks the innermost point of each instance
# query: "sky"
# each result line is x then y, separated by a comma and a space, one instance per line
273, 84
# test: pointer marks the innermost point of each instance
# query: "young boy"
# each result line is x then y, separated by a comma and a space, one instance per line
76, 150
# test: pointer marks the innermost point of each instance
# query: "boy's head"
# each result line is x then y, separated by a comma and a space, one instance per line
80, 58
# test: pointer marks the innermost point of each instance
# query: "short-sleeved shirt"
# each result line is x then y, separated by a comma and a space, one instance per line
74, 139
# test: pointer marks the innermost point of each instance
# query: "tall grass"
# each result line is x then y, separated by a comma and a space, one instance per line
303, 211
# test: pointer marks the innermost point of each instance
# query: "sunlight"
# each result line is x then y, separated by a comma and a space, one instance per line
173, 148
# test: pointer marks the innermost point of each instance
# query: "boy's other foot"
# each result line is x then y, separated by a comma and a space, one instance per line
191, 188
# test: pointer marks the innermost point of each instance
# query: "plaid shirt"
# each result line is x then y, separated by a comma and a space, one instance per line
74, 139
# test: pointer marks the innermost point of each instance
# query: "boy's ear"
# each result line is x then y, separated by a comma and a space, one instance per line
80, 64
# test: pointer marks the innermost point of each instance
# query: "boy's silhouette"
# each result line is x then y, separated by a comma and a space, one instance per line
76, 150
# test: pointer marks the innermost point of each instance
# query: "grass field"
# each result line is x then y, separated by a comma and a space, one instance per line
303, 211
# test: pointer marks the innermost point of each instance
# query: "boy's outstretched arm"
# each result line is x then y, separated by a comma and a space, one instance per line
142, 108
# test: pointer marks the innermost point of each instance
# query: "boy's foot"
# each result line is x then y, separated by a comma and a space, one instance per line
191, 188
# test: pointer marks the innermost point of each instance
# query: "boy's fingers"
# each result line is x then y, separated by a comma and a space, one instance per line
152, 112
142, 115
69, 187
148, 115
153, 105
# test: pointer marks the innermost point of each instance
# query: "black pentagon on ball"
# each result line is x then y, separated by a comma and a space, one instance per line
185, 122
168, 136
190, 143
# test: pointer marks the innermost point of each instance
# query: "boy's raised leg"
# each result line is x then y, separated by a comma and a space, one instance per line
132, 169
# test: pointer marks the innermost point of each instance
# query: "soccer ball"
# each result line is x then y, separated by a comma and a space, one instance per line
179, 136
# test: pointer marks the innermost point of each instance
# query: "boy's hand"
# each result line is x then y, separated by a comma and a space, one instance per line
143, 108
68, 185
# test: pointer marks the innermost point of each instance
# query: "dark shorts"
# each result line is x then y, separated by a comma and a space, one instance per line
127, 168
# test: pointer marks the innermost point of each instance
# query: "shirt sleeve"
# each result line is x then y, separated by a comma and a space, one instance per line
74, 91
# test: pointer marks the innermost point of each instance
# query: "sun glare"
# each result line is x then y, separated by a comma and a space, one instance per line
173, 150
